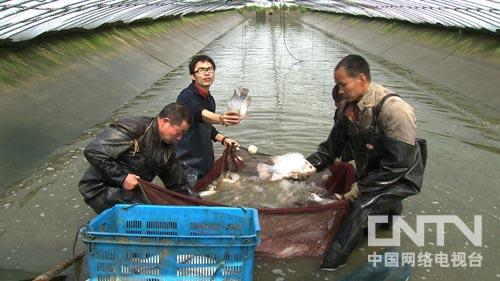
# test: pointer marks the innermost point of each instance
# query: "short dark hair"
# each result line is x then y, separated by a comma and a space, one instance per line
354, 65
195, 59
176, 112
335, 93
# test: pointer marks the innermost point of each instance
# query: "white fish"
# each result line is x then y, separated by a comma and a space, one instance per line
315, 199
211, 190
239, 102
246, 189
231, 178
207, 193
290, 165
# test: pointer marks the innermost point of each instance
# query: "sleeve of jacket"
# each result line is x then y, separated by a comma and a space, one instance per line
213, 133
398, 122
172, 175
331, 148
103, 151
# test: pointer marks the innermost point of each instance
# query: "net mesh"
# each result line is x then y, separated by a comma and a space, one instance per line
285, 232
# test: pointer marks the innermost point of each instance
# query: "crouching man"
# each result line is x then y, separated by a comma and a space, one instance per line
130, 149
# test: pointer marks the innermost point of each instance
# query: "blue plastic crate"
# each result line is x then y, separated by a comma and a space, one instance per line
143, 242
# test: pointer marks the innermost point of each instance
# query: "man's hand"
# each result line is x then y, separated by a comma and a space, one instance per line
354, 193
130, 182
228, 141
231, 118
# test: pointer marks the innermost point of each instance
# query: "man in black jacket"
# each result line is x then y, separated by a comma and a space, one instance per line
380, 130
133, 148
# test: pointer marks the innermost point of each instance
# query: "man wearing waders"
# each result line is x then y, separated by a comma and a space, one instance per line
380, 129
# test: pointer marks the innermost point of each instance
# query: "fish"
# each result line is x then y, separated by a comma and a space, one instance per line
240, 102
250, 191
247, 188
291, 165
207, 193
210, 191
314, 199
292, 250
231, 178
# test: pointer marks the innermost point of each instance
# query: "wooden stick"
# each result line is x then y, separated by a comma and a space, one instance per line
59, 268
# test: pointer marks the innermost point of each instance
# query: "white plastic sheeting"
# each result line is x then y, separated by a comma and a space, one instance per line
22, 19
475, 14
26, 19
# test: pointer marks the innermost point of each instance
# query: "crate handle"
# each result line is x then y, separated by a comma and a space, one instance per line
243, 209
131, 205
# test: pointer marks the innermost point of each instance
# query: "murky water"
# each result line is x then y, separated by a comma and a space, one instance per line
250, 191
291, 110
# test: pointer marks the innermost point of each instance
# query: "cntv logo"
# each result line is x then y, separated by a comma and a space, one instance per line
418, 235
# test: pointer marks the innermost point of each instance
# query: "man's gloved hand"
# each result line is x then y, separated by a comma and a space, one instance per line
354, 193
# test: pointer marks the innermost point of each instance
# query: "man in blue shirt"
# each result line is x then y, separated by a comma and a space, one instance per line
195, 150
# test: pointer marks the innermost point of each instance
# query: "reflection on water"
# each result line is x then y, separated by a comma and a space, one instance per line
291, 111
492, 149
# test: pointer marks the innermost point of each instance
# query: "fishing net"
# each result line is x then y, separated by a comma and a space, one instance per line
285, 232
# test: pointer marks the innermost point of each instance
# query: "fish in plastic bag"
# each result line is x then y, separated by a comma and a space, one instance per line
239, 102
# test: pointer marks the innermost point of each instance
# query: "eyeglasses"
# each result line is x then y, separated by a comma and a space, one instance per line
205, 70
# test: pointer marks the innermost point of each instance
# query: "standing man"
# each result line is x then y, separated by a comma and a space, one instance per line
195, 150
380, 129
130, 149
